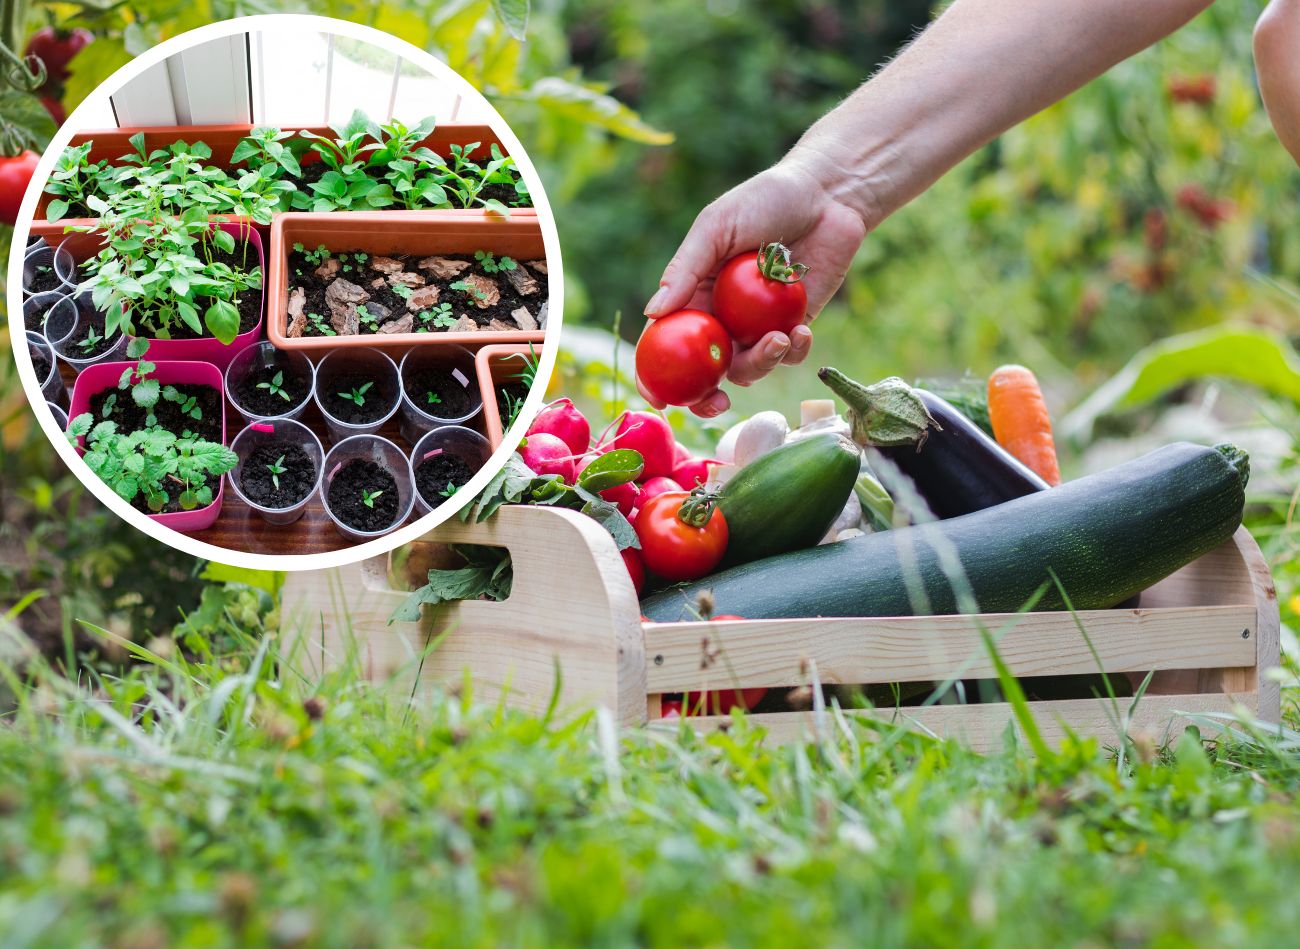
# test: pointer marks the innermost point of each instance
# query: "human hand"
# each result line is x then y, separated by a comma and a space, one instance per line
789, 203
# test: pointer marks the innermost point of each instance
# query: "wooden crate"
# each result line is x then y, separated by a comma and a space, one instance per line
1208, 630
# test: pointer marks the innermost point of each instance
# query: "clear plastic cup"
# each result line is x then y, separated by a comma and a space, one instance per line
382, 452
52, 386
464, 443
65, 265
58, 259
372, 364
459, 361
60, 416
62, 323
263, 431
40, 304
264, 355
34, 241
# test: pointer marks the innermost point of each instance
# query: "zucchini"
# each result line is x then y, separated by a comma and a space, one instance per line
1106, 536
788, 498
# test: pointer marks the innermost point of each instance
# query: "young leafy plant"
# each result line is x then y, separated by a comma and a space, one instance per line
277, 468
368, 498
490, 264
358, 393
75, 179
276, 387
467, 288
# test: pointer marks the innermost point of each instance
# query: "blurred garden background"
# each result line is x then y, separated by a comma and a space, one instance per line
1134, 245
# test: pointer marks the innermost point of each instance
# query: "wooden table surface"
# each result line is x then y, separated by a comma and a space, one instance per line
239, 527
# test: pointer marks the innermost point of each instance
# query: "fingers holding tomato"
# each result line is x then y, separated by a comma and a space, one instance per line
757, 294
681, 358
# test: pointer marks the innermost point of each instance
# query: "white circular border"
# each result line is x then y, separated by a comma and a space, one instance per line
337, 558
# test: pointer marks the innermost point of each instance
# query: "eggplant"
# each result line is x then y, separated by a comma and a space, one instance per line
956, 468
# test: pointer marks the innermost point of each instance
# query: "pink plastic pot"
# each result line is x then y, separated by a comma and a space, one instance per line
105, 375
209, 349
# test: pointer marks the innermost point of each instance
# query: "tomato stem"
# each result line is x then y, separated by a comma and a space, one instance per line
774, 263
698, 507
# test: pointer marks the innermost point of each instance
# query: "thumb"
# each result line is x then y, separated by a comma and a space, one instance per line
698, 256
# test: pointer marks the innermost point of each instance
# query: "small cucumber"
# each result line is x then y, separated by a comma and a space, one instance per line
788, 498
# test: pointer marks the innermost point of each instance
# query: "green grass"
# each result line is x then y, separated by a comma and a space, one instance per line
228, 802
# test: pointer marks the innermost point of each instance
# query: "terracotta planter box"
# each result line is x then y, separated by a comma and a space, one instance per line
112, 144
105, 375
423, 233
83, 246
495, 365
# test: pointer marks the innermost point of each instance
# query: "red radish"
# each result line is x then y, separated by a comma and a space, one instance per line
627, 496
680, 453
651, 435
635, 569
563, 420
546, 454
670, 708
656, 486
693, 471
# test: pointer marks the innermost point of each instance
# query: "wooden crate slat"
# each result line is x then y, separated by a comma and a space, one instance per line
922, 648
982, 726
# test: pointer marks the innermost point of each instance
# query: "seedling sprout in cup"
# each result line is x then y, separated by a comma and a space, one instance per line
442, 461
367, 487
40, 274
357, 391
265, 382
78, 333
279, 468
438, 388
36, 309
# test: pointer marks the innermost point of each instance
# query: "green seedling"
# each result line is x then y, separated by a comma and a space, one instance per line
358, 393
87, 345
433, 399
368, 498
469, 289
277, 468
491, 264
276, 387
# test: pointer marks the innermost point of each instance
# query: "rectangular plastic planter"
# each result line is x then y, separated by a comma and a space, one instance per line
112, 144
84, 246
394, 232
1211, 630
493, 365
105, 375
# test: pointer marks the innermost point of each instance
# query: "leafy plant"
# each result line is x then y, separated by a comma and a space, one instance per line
368, 319
488, 261
467, 288
320, 324
74, 179
439, 316
277, 468
144, 390
145, 462
368, 498
276, 386
433, 398
402, 290
271, 152
188, 404
358, 393
92, 340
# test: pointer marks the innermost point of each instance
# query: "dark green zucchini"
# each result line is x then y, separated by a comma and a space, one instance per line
788, 498
1106, 536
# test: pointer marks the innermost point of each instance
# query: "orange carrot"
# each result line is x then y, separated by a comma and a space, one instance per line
1021, 422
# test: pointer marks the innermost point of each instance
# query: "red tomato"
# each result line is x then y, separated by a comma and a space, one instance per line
56, 49
682, 357
758, 293
15, 173
632, 560
682, 536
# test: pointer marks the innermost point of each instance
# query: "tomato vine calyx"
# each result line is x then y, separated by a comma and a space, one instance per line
774, 263
698, 507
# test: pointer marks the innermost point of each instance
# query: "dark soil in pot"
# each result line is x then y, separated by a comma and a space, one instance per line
74, 344
266, 403
121, 408
507, 195
34, 319
40, 363
263, 486
346, 496
377, 400
243, 259
44, 280
450, 399
433, 475
386, 300
174, 492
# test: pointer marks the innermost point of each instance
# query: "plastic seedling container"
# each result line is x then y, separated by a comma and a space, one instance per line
63, 329
42, 265
346, 370
449, 370
52, 387
36, 309
60, 416
65, 262
273, 432
383, 453
463, 443
258, 364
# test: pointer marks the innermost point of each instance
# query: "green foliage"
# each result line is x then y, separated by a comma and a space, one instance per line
276, 386
357, 394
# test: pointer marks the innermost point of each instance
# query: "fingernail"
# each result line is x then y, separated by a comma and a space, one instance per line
776, 349
656, 301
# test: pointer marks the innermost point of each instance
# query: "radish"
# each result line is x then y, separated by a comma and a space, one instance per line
627, 496
654, 487
563, 420
635, 569
547, 454
693, 471
651, 435
680, 453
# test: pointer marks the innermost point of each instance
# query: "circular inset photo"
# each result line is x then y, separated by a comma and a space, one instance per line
289, 286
